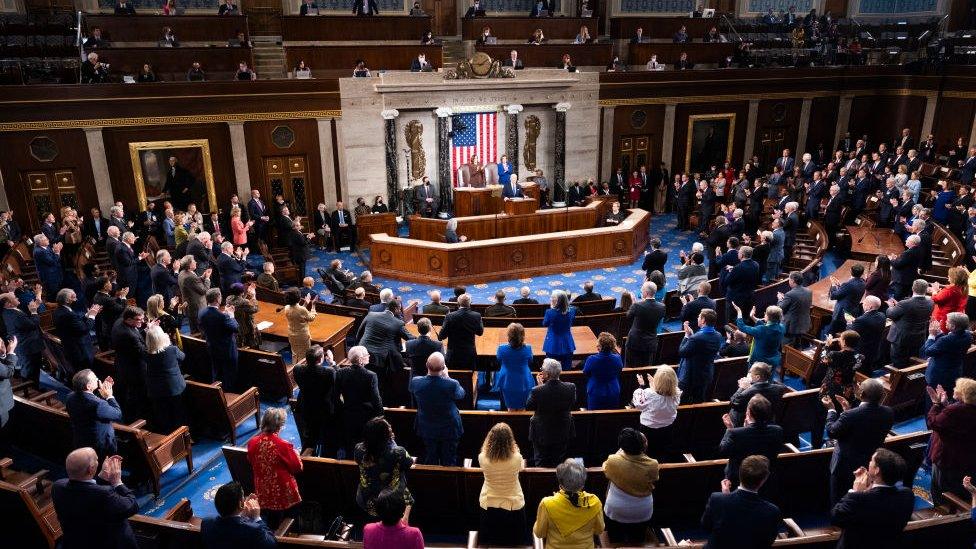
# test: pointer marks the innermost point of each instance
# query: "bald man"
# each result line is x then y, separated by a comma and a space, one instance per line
438, 420
94, 513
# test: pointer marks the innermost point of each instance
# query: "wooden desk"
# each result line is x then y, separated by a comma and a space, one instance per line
487, 344
375, 223
823, 306
551, 55
625, 28
171, 64
326, 330
477, 261
868, 243
347, 28
217, 29
391, 57
484, 227
470, 201
521, 28
521, 206
698, 53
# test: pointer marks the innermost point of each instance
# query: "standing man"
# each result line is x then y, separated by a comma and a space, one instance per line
742, 518
258, 212
93, 514
91, 414
298, 251
231, 266
910, 323
27, 329
459, 329
220, 328
874, 512
551, 426
697, 352
164, 275
904, 267
685, 202
194, 288
129, 342
342, 225
740, 283
645, 316
47, 259
74, 329
795, 303
846, 297
438, 419
381, 333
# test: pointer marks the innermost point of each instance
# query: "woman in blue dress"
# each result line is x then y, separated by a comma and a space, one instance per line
559, 342
514, 379
603, 373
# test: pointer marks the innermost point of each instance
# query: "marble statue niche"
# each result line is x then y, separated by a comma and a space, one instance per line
413, 134
532, 128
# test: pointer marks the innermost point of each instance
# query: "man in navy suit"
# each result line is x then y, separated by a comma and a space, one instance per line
911, 319
220, 330
92, 415
742, 518
693, 307
239, 523
128, 262
847, 296
967, 168
946, 352
875, 510
870, 326
459, 329
815, 192
230, 265
512, 189
420, 349
93, 513
47, 258
858, 432
740, 283
551, 426
904, 268
785, 162
438, 420
758, 436
258, 211
645, 318
164, 276
697, 353
27, 329
129, 342
74, 329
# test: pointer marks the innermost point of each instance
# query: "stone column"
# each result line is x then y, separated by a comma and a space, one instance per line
444, 180
239, 150
559, 164
327, 159
607, 161
750, 144
99, 164
804, 127
667, 137
392, 159
843, 116
929, 118
511, 137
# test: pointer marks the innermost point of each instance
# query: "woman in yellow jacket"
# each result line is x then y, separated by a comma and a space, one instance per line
971, 302
571, 517
502, 502
299, 317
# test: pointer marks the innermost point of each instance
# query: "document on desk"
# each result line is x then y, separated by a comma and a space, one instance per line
261, 326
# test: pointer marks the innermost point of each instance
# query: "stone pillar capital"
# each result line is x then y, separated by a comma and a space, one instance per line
390, 114
443, 112
563, 106
514, 109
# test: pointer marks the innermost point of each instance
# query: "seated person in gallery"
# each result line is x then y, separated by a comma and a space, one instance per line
228, 8
615, 216
196, 74
365, 8
146, 74
426, 198
450, 233
239, 41
476, 9
420, 64
361, 207
309, 7
567, 63
540, 9
93, 71
680, 37
427, 39
168, 39
684, 64
95, 40
417, 11
124, 7
379, 206
584, 36
302, 70
360, 71
638, 37
537, 38
485, 36
513, 61
244, 72
476, 173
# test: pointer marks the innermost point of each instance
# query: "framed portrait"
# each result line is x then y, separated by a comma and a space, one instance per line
179, 171
709, 141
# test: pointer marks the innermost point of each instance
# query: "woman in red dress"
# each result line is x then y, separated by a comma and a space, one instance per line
274, 462
238, 228
635, 189
952, 298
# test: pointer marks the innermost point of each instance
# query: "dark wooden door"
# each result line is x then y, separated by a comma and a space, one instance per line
635, 151
445, 16
770, 143
47, 192
288, 176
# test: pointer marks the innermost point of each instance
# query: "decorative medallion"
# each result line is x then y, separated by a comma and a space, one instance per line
619, 245
517, 256
638, 119
462, 263
384, 256
481, 65
434, 263
283, 137
779, 112
43, 149
569, 251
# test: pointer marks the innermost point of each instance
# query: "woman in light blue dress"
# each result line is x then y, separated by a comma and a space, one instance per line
559, 342
514, 380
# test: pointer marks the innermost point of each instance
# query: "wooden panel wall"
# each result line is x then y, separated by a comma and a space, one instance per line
120, 166
882, 117
624, 126
823, 123
741, 110
72, 155
953, 119
778, 114
257, 136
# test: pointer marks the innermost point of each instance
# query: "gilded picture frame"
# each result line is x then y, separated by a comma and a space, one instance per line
148, 168
706, 133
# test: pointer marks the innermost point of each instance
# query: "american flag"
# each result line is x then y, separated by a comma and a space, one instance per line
476, 138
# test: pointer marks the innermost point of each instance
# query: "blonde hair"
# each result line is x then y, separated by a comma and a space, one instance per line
156, 340
959, 276
500, 443
665, 381
966, 387
155, 307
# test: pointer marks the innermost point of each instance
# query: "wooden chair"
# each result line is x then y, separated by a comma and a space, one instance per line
266, 371
803, 363
904, 388
29, 512
797, 411
214, 411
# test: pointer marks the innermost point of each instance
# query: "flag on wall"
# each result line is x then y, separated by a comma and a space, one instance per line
474, 134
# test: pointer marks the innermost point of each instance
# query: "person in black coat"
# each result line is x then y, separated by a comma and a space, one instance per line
8, 367
740, 283
164, 381
706, 205
904, 267
358, 390
298, 250
645, 317
685, 202
857, 432
94, 512
27, 329
316, 379
91, 415
655, 260
870, 326
130, 361
758, 436
460, 329
164, 276
693, 307
343, 227
231, 266
257, 210
420, 349
551, 426
742, 518
365, 8
128, 261
875, 511
758, 382
95, 227
74, 331
239, 523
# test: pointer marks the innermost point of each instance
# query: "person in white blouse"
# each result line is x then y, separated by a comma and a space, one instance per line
658, 403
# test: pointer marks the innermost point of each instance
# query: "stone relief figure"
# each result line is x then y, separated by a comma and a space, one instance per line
532, 127
481, 65
414, 133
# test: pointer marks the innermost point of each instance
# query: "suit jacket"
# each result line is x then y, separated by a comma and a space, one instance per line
910, 318
381, 333
89, 230
873, 518
870, 326
946, 354
512, 190
202, 254
968, 171
517, 65
164, 282
545, 10
480, 12
163, 375
436, 309
8, 366
74, 330
91, 421
128, 264
460, 328
655, 261
742, 281
771, 390
764, 439
316, 393
697, 354
832, 217
358, 391
420, 196
94, 516
111, 246
236, 531
847, 296
785, 164
415, 66
858, 433
194, 291
358, 8
645, 316
740, 519
130, 352
27, 328
220, 331
231, 269
125, 9
419, 350
587, 296
552, 403
796, 310
904, 269
48, 267
347, 219
437, 412
256, 211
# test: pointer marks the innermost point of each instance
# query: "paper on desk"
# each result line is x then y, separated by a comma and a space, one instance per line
264, 325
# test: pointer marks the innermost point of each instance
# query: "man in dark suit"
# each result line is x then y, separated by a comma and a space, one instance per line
525, 292
381, 333
316, 400
95, 226
129, 342
740, 283
438, 419
164, 276
426, 198
685, 202
342, 226
967, 168
693, 307
904, 268
832, 213
757, 436
231, 266
47, 259
94, 514
258, 212
459, 329
512, 189
588, 293
758, 382
742, 518
785, 163
847, 298
910, 323
112, 244
220, 329
358, 390
239, 523
870, 326
645, 317
359, 299
365, 8
179, 185
858, 432
420, 349
795, 303
697, 353
27, 329
92, 415
435, 307
874, 512
74, 330
499, 308
551, 426
128, 262
475, 10
575, 195
946, 352
421, 64
513, 61
656, 259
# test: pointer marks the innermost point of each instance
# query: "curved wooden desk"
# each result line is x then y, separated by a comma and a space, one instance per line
512, 257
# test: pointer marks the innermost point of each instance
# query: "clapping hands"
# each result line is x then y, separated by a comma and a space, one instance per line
937, 395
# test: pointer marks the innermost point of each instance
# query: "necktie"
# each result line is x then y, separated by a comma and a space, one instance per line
342, 220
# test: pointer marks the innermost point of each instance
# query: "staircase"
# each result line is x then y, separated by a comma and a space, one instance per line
269, 57
453, 52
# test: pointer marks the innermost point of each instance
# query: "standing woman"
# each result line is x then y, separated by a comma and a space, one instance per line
603, 370
169, 320
634, 193
630, 503
299, 317
559, 342
502, 503
382, 466
242, 298
476, 173
238, 228
952, 298
164, 380
839, 381
879, 280
504, 170
275, 462
658, 404
971, 300
514, 379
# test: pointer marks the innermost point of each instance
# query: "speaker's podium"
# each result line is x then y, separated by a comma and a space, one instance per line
518, 206
470, 201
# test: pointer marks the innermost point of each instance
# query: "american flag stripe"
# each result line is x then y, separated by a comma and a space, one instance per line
478, 138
